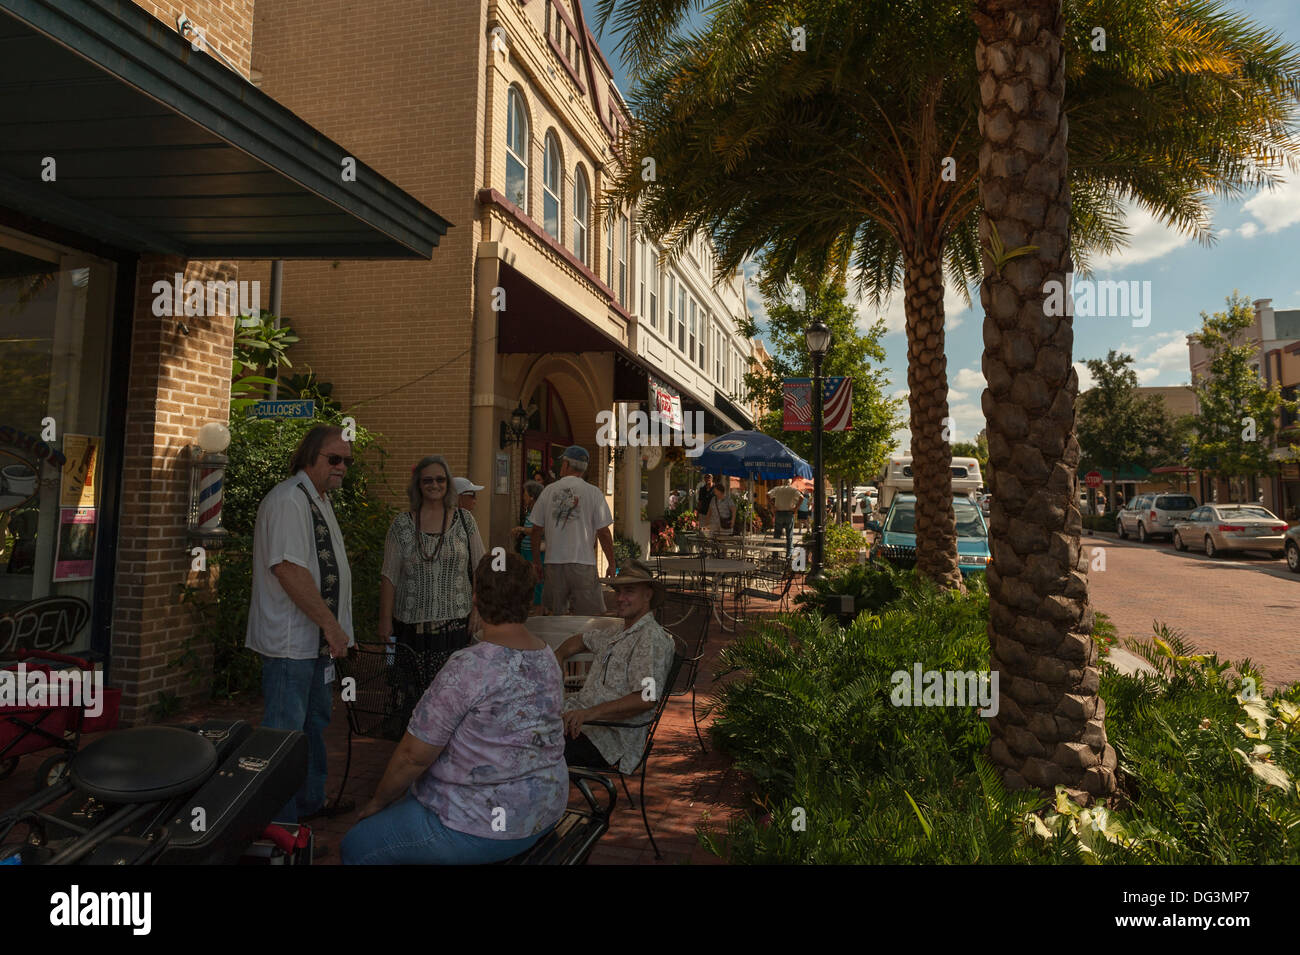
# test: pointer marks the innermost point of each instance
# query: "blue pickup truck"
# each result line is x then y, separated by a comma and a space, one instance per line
897, 536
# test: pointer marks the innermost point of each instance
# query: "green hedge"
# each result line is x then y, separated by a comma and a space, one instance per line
844, 776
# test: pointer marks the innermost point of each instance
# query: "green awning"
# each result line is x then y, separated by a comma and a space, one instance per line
160, 148
1134, 473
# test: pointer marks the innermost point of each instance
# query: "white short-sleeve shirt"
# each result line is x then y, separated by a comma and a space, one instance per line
283, 532
571, 511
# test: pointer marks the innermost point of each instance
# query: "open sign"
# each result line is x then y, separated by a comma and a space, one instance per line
44, 624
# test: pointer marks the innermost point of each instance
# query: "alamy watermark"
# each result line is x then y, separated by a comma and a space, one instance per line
177, 297
37, 687
1086, 298
637, 429
946, 688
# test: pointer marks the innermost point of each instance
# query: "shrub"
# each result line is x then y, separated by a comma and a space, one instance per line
841, 546
1207, 773
1099, 522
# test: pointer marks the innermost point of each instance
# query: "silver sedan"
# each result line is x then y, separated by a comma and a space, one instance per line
1216, 528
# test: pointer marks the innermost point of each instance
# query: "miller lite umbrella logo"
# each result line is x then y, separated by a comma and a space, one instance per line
724, 446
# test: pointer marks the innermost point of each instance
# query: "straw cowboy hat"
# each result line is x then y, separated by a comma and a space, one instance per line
635, 572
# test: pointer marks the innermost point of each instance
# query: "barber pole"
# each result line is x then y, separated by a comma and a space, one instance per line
210, 495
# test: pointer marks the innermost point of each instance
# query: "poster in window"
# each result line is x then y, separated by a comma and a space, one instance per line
76, 553
503, 474
78, 480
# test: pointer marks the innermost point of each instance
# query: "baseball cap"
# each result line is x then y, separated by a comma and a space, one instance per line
465, 484
576, 452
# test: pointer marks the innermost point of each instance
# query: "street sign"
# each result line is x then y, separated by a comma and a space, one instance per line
1092, 479
298, 408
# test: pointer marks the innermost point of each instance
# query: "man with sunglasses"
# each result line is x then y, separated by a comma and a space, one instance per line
300, 617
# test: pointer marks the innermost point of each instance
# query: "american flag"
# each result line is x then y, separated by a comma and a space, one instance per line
837, 404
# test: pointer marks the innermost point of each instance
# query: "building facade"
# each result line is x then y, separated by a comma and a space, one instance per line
541, 299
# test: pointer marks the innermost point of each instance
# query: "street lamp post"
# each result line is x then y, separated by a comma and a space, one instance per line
818, 337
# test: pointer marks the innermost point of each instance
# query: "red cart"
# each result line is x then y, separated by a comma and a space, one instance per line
29, 729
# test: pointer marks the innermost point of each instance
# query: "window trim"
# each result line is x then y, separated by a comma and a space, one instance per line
558, 195
582, 215
515, 96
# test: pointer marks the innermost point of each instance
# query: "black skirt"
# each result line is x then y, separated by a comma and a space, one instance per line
432, 645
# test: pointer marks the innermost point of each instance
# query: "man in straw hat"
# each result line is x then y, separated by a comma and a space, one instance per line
627, 675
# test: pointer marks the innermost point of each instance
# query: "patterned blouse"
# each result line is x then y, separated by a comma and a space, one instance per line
496, 713
438, 590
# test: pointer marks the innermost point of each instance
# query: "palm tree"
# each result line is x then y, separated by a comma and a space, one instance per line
1049, 729
855, 143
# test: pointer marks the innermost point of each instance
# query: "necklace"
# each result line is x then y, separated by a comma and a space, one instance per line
419, 537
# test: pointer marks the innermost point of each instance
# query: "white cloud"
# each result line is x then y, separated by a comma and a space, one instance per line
1148, 239
955, 394
1273, 210
1086, 380
970, 378
1247, 230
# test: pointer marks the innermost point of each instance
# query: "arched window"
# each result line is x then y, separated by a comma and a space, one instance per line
581, 214
516, 149
551, 177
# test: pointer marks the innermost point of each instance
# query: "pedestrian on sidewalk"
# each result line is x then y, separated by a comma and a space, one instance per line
573, 515
426, 591
300, 614
786, 499
532, 491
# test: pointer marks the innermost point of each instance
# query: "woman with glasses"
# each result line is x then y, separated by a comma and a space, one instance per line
426, 592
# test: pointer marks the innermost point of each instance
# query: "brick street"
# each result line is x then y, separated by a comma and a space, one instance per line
1241, 606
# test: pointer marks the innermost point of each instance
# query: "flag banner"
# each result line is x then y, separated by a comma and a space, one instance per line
798, 404
837, 404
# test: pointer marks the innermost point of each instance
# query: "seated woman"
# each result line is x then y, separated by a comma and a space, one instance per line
480, 774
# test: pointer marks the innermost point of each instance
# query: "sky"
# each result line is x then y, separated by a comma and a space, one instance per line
1254, 250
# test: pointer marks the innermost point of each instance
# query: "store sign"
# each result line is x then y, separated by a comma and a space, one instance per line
44, 624
665, 406
283, 409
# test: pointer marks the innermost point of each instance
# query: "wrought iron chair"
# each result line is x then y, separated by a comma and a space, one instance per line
387, 684
686, 617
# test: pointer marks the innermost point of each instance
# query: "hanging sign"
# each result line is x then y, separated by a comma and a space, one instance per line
665, 407
298, 408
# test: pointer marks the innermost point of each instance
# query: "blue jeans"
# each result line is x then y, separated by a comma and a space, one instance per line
409, 833
784, 522
297, 698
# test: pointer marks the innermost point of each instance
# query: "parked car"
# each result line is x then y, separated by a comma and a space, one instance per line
1292, 547
1216, 528
1153, 515
899, 531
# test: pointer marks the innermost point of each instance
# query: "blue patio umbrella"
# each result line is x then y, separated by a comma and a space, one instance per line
750, 454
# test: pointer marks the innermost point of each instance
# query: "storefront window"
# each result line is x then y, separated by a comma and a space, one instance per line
55, 336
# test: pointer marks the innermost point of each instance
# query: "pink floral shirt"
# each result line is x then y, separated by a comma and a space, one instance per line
496, 712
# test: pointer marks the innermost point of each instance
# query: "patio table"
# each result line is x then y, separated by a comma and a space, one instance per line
720, 569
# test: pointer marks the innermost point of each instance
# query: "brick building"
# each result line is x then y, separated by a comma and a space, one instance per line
139, 161
505, 118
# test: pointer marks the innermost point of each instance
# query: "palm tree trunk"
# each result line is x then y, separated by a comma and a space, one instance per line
1049, 729
927, 386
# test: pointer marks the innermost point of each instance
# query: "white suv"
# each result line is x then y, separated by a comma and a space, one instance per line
1153, 515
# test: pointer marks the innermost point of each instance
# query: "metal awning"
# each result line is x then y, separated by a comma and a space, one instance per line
157, 147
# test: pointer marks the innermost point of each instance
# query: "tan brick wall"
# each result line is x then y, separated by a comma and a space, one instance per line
228, 24
401, 87
177, 382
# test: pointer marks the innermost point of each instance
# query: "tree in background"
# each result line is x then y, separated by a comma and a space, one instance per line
849, 130
977, 449
1238, 423
1118, 426
856, 455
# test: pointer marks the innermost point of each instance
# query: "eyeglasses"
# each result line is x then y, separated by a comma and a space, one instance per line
335, 459
440, 479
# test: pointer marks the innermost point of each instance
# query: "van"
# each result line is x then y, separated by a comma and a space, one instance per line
896, 476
